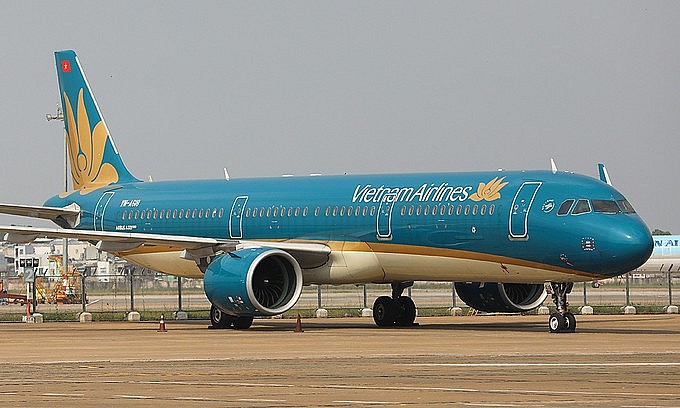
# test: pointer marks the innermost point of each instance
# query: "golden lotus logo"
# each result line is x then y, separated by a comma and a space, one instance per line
86, 150
489, 191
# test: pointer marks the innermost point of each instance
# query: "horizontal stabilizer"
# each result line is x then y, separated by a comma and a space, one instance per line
70, 214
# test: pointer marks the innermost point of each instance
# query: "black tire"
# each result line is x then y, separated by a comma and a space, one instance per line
219, 319
384, 311
406, 311
243, 322
557, 323
571, 322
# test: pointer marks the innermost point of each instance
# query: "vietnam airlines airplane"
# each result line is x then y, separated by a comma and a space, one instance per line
500, 235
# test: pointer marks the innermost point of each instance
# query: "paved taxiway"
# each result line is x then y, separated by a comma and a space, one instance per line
622, 361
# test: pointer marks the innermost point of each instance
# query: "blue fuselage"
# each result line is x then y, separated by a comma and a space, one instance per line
557, 221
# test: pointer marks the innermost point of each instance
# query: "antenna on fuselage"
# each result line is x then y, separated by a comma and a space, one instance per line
226, 174
553, 166
604, 175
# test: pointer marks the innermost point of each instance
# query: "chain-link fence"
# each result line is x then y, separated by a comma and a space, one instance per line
150, 292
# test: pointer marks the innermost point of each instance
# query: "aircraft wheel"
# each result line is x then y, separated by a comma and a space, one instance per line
219, 319
384, 311
557, 323
243, 322
406, 311
571, 322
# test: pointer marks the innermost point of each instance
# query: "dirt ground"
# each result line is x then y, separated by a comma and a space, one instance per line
619, 361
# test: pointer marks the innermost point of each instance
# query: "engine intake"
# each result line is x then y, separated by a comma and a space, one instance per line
501, 297
253, 281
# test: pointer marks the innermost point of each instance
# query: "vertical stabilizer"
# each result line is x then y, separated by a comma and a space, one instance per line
94, 160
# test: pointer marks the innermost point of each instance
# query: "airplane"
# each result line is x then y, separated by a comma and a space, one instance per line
501, 236
665, 257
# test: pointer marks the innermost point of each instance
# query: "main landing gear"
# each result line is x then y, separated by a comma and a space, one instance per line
562, 321
221, 320
397, 310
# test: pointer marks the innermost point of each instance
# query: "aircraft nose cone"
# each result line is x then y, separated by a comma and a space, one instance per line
630, 247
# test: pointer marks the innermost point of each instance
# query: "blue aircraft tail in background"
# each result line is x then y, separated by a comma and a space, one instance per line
95, 161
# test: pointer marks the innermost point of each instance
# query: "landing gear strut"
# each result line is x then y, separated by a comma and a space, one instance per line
562, 321
397, 310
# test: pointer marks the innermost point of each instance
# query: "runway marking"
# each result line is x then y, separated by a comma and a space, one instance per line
135, 396
367, 402
501, 365
55, 394
260, 400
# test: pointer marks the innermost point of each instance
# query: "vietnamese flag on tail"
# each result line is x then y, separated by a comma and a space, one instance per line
66, 66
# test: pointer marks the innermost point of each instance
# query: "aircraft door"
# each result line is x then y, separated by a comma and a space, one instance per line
98, 219
236, 217
519, 210
384, 221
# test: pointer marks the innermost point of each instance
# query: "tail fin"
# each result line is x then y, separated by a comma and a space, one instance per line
94, 159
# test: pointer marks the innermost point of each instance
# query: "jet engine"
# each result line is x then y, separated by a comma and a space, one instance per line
501, 297
253, 282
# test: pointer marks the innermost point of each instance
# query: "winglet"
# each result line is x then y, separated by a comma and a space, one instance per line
604, 176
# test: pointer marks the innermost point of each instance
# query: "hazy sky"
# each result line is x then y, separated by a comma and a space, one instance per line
270, 88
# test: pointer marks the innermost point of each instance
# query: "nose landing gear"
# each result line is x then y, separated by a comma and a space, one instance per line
562, 321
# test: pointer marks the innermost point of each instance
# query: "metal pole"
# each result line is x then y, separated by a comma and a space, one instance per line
132, 290
64, 262
627, 289
83, 295
318, 296
179, 293
453, 294
409, 291
585, 297
670, 284
365, 304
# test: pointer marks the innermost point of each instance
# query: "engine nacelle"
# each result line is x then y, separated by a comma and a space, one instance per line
253, 282
501, 297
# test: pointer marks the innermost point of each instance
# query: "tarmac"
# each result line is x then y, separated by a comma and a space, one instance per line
488, 361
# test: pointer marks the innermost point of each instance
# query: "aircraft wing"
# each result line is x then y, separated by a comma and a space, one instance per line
70, 214
308, 254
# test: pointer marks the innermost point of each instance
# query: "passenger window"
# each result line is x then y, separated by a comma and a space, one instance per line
200, 213
364, 211
419, 209
276, 211
214, 213
581, 207
450, 209
143, 215
467, 209
162, 214
335, 211
155, 213
626, 207
492, 207
427, 210
605, 206
564, 208
482, 210
269, 212
305, 211
459, 209
261, 212
123, 215
254, 212
342, 210
297, 211
410, 210
174, 213
474, 209
221, 213
290, 211
193, 213
328, 211
442, 210
372, 211
357, 211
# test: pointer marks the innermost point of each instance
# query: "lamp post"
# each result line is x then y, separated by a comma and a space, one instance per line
60, 116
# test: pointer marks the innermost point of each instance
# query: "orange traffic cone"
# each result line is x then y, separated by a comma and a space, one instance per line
161, 327
298, 325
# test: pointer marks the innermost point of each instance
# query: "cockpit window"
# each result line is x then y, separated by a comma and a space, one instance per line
564, 208
605, 206
581, 207
626, 207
